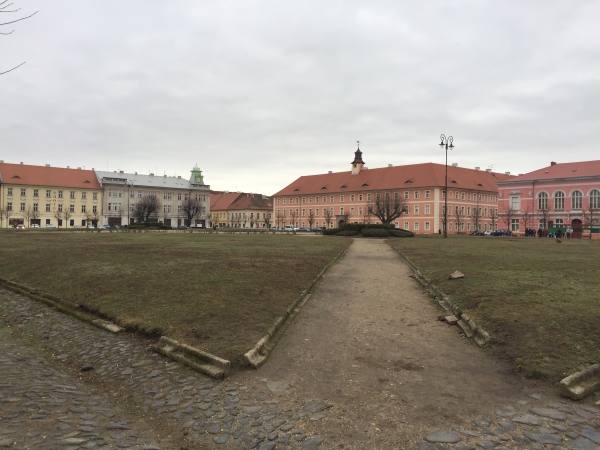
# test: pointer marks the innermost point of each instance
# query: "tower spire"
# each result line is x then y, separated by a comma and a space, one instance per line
358, 164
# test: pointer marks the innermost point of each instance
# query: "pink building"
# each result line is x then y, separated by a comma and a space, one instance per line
565, 196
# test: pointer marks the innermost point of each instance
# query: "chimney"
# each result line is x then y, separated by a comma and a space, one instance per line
477, 168
151, 174
79, 168
68, 167
553, 163
389, 165
454, 164
136, 173
1, 161
327, 172
520, 174
120, 171
21, 162
507, 173
165, 175
178, 176
93, 168
488, 170
47, 165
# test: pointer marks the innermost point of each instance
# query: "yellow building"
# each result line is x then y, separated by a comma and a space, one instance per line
241, 210
44, 196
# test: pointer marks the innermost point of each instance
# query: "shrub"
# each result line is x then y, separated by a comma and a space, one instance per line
331, 231
401, 233
347, 233
380, 226
358, 227
352, 227
375, 232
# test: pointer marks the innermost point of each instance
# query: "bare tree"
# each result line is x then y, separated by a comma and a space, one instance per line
328, 216
493, 218
58, 214
527, 218
591, 218
278, 218
96, 217
293, 216
267, 219
545, 213
387, 207
345, 217
4, 9
458, 218
476, 216
5, 213
27, 214
508, 215
67, 213
311, 218
213, 219
191, 208
146, 207
366, 217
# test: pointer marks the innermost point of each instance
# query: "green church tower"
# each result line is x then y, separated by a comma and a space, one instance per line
197, 177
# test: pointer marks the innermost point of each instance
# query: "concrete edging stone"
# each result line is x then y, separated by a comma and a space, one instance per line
581, 384
257, 356
469, 328
59, 304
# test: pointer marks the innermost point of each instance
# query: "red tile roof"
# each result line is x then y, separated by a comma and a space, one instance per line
252, 201
48, 176
562, 170
395, 178
222, 200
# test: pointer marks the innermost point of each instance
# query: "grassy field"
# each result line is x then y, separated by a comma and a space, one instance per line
216, 292
539, 300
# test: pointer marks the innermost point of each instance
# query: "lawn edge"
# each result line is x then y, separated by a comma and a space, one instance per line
259, 354
468, 327
59, 304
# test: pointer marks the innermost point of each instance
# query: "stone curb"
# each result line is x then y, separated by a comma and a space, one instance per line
59, 304
192, 357
581, 384
466, 324
257, 356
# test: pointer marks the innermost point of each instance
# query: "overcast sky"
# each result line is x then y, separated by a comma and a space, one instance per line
260, 93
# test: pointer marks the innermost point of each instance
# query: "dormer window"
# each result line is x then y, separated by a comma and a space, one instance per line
323, 188
296, 190
365, 185
344, 187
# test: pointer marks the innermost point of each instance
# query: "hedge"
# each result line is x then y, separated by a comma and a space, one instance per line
331, 231
375, 232
401, 233
358, 227
347, 233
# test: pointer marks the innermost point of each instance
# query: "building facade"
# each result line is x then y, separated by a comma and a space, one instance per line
241, 210
122, 191
328, 200
48, 196
565, 196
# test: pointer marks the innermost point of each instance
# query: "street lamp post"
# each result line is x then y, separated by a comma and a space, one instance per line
447, 143
129, 184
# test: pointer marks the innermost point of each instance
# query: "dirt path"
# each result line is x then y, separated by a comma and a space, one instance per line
369, 342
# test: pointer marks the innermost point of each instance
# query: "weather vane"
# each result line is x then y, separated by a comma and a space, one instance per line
358, 142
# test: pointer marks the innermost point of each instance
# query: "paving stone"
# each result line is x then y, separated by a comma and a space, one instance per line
312, 443
481, 423
582, 443
221, 439
558, 426
251, 409
467, 432
591, 435
267, 446
507, 425
507, 411
528, 419
487, 445
448, 437
315, 406
549, 412
543, 438
521, 440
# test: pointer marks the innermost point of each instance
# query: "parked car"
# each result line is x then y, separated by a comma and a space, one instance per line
20, 226
49, 225
34, 225
106, 227
488, 232
477, 233
502, 233
181, 227
303, 229
89, 225
317, 229
290, 228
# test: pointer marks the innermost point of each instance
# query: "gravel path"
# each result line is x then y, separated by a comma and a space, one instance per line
366, 365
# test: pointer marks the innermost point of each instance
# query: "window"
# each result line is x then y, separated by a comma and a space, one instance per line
595, 199
48, 193
456, 195
462, 195
83, 196
72, 208
47, 207
416, 226
317, 211
352, 198
317, 199
406, 195
94, 196
9, 191
331, 199
468, 226
94, 209
485, 197
427, 194
152, 194
417, 193
542, 201
35, 207
303, 212
22, 206
427, 209
514, 203
468, 210
23, 192
559, 222
469, 196
166, 209
72, 194
576, 200
360, 211
342, 211
179, 209
60, 207
406, 225
341, 198
167, 195
443, 194
416, 210
351, 211
297, 200
479, 197
36, 192
9, 206
427, 226
303, 199
484, 212
324, 199
82, 208
309, 199
514, 224
559, 200
368, 197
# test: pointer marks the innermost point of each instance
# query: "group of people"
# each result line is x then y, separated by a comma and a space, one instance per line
544, 232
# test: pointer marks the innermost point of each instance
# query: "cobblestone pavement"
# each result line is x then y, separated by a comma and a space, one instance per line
130, 397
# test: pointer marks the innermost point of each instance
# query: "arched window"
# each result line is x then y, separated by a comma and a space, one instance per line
559, 200
543, 201
576, 200
595, 199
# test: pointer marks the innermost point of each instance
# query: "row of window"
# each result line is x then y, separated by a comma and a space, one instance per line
406, 195
481, 212
559, 200
36, 207
515, 223
60, 194
116, 193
